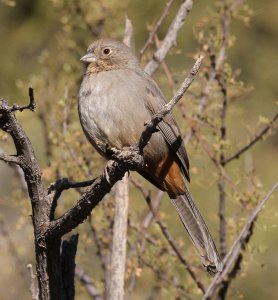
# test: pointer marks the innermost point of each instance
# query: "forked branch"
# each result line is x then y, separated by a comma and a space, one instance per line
237, 246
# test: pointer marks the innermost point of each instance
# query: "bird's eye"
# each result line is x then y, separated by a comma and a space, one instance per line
106, 51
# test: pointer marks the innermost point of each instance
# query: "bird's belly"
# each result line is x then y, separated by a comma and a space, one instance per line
110, 121
113, 114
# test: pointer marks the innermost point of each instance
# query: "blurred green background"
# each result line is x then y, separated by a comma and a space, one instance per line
31, 30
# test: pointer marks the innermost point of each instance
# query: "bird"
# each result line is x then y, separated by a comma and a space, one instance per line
116, 98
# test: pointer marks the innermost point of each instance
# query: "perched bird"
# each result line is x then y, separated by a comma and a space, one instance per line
116, 98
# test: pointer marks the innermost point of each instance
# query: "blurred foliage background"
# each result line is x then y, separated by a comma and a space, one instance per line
41, 43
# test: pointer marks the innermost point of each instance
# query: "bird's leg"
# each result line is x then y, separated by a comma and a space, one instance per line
107, 168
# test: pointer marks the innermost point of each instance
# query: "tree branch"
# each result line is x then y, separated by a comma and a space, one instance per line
64, 184
128, 34
170, 38
223, 130
47, 251
156, 26
162, 276
170, 240
151, 125
177, 251
31, 106
258, 136
217, 61
10, 159
238, 245
69, 248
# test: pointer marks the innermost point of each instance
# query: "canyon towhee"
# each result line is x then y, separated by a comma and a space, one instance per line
116, 98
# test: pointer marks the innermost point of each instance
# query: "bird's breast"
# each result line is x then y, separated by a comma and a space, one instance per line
111, 108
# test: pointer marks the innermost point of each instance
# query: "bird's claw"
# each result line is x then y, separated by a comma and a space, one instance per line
106, 171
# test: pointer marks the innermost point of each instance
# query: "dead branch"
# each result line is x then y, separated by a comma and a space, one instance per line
31, 106
216, 64
257, 137
170, 37
177, 251
68, 253
155, 27
170, 240
166, 68
151, 125
155, 201
223, 130
9, 159
162, 276
128, 34
17, 170
239, 244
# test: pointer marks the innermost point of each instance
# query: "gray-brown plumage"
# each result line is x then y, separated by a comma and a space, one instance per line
116, 98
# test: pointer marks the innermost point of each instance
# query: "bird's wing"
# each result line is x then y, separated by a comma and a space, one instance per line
154, 101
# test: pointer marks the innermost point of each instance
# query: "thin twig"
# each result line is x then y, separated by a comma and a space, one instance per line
214, 69
64, 184
150, 126
55, 190
19, 172
31, 106
212, 156
166, 68
223, 133
161, 275
147, 220
139, 245
128, 34
237, 246
221, 214
44, 118
170, 38
80, 164
65, 120
216, 64
169, 238
10, 159
155, 204
176, 250
155, 27
258, 136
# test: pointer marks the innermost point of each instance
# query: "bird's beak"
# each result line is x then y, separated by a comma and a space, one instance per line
89, 57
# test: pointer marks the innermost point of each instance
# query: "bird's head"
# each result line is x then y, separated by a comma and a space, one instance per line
109, 54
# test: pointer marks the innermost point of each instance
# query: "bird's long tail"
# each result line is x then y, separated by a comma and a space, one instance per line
198, 232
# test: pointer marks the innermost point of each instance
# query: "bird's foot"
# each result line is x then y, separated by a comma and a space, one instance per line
107, 168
